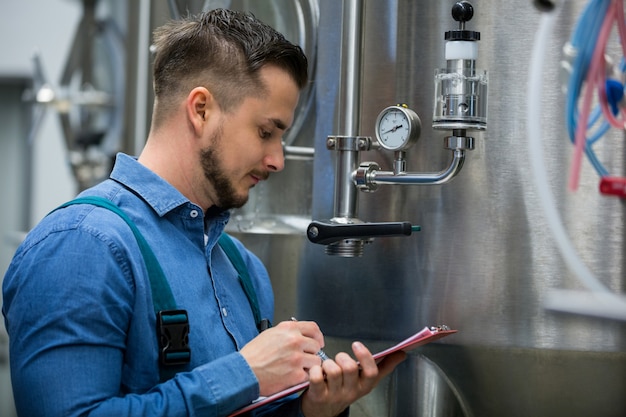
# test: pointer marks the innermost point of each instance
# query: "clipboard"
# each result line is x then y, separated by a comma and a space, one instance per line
424, 336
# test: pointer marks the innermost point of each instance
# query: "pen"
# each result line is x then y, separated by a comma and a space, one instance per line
319, 353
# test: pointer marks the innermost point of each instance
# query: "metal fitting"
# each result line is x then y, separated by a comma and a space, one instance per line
363, 176
459, 143
349, 143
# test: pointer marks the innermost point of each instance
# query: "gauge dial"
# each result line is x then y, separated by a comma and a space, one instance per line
397, 128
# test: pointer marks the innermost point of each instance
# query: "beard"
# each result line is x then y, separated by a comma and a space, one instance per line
225, 192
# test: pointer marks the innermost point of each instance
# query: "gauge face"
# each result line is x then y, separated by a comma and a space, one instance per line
397, 128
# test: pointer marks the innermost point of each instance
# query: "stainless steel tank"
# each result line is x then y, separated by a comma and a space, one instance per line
485, 259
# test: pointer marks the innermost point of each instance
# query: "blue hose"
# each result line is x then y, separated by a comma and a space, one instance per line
584, 40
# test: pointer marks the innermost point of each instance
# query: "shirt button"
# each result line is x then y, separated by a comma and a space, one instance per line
193, 214
225, 312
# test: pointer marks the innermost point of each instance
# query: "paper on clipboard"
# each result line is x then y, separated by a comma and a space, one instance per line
424, 336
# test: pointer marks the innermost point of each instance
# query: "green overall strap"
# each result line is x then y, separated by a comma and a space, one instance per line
227, 244
161, 293
172, 323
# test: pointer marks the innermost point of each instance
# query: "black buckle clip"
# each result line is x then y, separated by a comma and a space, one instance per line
173, 334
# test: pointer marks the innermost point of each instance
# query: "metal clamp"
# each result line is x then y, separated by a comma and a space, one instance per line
349, 143
363, 176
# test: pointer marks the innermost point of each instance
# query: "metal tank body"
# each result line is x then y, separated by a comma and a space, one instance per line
484, 259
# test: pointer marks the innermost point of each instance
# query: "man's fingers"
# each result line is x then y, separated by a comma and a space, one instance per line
310, 329
387, 365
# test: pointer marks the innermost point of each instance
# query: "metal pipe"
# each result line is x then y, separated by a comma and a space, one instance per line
351, 65
346, 163
345, 204
423, 178
143, 69
298, 152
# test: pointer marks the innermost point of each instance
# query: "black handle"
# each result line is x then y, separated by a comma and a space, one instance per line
462, 11
325, 233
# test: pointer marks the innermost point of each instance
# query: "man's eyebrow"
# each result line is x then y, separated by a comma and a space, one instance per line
279, 124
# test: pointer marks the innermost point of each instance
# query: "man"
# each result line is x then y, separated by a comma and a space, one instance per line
79, 306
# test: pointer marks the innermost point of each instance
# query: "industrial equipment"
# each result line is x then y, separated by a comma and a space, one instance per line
460, 105
89, 99
486, 261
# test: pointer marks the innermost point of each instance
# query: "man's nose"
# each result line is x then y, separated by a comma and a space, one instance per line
275, 159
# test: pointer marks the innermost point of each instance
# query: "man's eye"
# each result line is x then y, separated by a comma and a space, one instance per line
264, 134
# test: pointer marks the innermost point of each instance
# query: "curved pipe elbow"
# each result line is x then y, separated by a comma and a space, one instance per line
425, 178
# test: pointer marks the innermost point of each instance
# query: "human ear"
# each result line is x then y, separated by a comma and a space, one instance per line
198, 107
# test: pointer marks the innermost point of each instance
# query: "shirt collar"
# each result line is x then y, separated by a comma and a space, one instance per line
153, 189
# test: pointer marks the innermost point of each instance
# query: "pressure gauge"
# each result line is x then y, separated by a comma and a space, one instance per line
397, 128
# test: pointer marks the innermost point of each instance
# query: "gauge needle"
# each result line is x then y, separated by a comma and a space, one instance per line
393, 129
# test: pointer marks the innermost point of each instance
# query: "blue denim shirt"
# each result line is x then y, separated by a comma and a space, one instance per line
78, 308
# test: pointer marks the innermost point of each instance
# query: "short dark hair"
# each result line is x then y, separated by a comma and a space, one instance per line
222, 50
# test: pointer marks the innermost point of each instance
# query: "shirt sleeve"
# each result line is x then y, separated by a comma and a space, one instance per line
68, 319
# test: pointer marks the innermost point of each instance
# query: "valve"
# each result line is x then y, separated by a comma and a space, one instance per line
325, 233
460, 105
460, 89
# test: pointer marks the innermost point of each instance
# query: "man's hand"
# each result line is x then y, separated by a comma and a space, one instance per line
282, 356
336, 384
